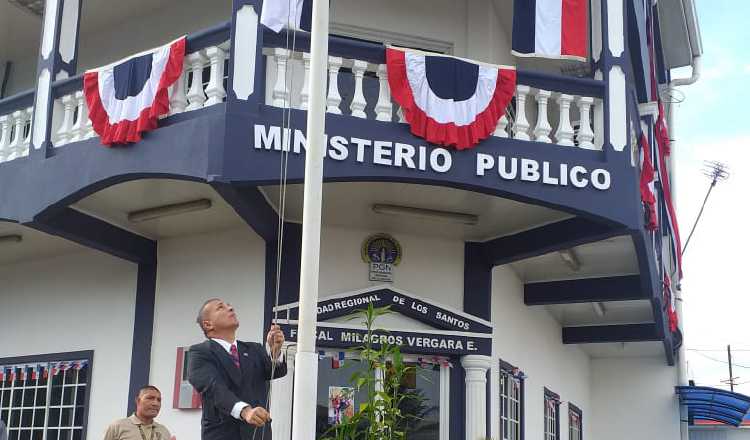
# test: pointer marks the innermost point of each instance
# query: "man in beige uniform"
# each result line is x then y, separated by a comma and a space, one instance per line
141, 425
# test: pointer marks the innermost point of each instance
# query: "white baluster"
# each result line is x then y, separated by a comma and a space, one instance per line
27, 127
78, 132
177, 94
5, 127
89, 129
304, 97
585, 134
358, 101
542, 129
16, 142
334, 98
280, 93
64, 132
196, 96
502, 127
215, 88
598, 124
564, 133
384, 108
522, 124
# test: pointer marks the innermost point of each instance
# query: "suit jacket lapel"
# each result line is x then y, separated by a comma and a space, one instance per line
227, 363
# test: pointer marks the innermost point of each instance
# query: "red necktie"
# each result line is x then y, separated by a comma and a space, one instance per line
235, 356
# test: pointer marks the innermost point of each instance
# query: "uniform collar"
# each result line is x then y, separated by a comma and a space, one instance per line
137, 421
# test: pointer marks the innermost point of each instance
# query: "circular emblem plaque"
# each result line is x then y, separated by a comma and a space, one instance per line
381, 248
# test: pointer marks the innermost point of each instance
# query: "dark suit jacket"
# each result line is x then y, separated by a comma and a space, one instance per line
222, 385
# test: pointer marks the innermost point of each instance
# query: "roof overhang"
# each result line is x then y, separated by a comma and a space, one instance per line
680, 32
705, 403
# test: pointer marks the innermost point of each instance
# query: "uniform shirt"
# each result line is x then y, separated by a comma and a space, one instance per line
127, 429
226, 345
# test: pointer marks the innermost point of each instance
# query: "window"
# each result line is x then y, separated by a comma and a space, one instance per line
336, 400
511, 402
575, 422
551, 415
45, 397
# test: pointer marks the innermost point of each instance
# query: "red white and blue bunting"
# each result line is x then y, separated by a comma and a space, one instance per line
648, 193
554, 29
446, 100
126, 98
35, 371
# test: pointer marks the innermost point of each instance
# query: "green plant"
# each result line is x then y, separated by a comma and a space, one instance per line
389, 409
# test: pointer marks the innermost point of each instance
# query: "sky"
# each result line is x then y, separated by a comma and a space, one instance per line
711, 125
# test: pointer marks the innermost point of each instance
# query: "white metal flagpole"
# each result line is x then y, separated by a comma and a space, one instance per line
306, 358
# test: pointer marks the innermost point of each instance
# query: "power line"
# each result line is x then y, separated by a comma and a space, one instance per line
716, 171
721, 361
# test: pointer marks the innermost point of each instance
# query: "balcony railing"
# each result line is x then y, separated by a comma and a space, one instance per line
546, 108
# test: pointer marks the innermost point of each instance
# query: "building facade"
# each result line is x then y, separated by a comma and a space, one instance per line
522, 276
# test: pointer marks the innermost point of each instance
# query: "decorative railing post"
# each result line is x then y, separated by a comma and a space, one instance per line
215, 88
16, 142
383, 108
564, 133
358, 101
334, 98
304, 97
78, 131
501, 130
585, 134
543, 128
63, 133
196, 96
178, 96
5, 128
280, 94
521, 125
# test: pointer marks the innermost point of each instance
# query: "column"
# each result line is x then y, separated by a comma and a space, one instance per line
476, 367
57, 60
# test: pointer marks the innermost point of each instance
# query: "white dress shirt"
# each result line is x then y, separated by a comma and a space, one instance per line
226, 345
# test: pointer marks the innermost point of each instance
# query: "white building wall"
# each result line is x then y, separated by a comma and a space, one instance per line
430, 267
633, 398
81, 301
531, 339
720, 433
225, 264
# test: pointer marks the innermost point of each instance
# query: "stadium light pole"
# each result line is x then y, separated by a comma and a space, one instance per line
306, 358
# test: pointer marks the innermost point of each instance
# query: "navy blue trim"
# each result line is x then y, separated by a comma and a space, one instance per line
457, 401
636, 35
610, 333
622, 288
477, 281
96, 234
87, 355
211, 36
564, 234
291, 255
143, 325
17, 102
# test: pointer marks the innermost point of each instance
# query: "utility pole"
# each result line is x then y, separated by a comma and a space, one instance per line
729, 358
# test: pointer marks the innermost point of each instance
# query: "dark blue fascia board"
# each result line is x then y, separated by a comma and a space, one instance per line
96, 234
609, 333
143, 325
477, 281
242, 163
564, 234
622, 288
178, 151
252, 207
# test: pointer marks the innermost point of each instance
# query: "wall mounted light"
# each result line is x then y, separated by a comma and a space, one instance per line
168, 210
408, 211
9, 239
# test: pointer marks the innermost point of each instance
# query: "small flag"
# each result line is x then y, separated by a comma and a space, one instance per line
321, 355
45, 372
12, 376
550, 29
22, 375
292, 14
35, 372
337, 361
2, 374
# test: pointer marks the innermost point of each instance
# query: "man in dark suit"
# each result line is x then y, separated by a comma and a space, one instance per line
233, 376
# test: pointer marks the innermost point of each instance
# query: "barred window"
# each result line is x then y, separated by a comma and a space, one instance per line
43, 399
575, 422
511, 402
551, 415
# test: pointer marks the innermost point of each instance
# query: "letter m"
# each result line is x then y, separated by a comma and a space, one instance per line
267, 139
